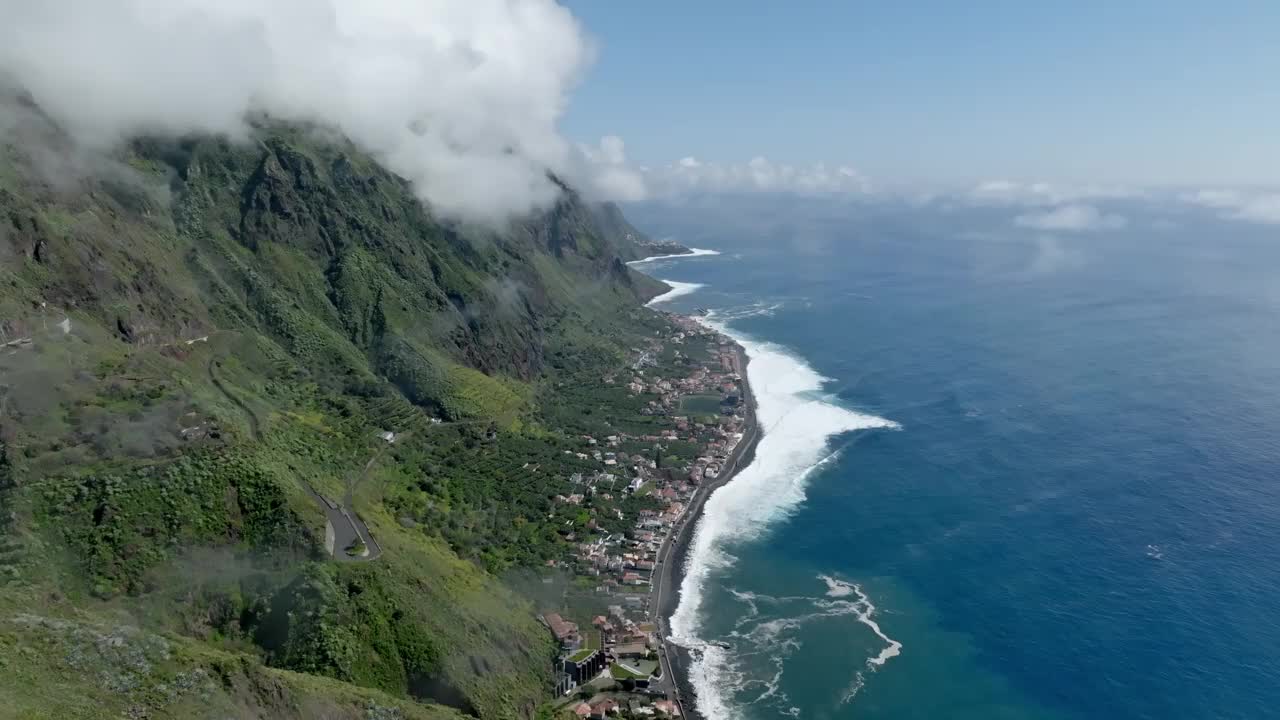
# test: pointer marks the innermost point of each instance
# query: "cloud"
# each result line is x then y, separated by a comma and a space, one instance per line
606, 174
460, 97
1051, 256
1071, 218
1251, 205
689, 174
1008, 192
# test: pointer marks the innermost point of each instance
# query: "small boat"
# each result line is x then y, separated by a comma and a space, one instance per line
723, 644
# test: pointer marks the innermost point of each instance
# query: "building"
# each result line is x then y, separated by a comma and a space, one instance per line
584, 665
631, 650
565, 684
565, 632
667, 707
604, 708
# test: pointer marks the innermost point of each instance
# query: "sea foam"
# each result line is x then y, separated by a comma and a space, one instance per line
693, 252
677, 289
864, 609
797, 426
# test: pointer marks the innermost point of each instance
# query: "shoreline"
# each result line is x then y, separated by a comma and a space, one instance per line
693, 252
673, 555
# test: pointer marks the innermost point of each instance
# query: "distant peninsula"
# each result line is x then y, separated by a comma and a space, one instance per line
632, 244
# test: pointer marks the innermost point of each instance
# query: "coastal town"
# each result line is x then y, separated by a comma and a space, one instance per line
610, 630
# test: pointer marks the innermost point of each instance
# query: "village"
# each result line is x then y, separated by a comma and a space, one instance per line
611, 649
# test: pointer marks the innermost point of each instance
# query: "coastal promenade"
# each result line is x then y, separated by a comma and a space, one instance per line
672, 555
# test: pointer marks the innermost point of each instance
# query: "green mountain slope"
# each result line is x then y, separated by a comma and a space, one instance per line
200, 344
632, 243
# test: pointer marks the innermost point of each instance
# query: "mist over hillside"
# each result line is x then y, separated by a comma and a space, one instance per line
238, 245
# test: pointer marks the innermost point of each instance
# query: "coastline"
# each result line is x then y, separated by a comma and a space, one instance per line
676, 660
693, 252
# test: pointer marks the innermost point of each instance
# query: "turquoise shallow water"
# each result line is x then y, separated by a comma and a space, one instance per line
1074, 511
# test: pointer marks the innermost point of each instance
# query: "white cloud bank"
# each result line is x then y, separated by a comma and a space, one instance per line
1071, 218
461, 97
689, 174
607, 173
1251, 205
1008, 192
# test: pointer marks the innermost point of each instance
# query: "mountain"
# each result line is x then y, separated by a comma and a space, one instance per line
632, 244
205, 347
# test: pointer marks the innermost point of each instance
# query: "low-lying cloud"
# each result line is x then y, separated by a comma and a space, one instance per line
689, 174
608, 174
461, 98
1070, 218
1251, 205
1008, 192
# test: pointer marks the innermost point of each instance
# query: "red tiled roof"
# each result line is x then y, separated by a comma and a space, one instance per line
560, 627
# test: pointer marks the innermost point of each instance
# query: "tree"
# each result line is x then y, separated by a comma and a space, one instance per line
6, 483
6, 467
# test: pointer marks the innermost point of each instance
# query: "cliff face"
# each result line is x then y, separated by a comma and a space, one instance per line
632, 244
199, 340
292, 238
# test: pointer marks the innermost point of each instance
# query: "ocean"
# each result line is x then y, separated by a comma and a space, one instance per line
1005, 474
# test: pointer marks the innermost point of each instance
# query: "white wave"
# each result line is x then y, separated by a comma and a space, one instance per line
863, 610
797, 426
677, 289
893, 648
693, 252
777, 639
753, 610
767, 633
837, 588
754, 310
851, 692
759, 309
773, 686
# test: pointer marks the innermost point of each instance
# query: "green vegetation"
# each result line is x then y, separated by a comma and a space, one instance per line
581, 655
700, 404
618, 672
213, 335
632, 243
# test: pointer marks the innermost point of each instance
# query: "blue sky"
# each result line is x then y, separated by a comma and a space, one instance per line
1141, 92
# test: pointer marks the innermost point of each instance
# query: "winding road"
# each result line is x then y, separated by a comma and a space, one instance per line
343, 528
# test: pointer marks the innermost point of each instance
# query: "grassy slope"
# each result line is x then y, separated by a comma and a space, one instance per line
159, 483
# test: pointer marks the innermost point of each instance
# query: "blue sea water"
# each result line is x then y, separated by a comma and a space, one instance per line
1005, 474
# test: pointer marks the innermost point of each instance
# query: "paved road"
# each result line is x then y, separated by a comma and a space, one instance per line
669, 570
344, 527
